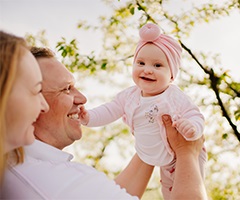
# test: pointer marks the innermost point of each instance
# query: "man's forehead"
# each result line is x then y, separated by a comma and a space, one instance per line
55, 74
67, 80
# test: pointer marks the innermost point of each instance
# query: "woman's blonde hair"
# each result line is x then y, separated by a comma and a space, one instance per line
11, 50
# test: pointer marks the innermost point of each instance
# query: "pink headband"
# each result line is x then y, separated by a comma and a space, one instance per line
151, 33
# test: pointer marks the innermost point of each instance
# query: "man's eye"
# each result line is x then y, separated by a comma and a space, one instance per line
67, 89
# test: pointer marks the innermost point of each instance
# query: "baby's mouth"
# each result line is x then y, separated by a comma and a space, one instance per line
147, 79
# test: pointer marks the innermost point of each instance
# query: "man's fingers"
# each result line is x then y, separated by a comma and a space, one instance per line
167, 120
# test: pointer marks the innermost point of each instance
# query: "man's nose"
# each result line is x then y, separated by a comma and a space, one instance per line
79, 98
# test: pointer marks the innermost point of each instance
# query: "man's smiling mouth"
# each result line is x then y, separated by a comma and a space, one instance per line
73, 116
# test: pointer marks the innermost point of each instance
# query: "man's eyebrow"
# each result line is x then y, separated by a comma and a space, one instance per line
65, 83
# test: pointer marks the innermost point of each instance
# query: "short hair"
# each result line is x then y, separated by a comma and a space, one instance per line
42, 52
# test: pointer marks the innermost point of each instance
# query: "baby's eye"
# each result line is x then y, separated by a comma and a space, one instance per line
141, 63
158, 65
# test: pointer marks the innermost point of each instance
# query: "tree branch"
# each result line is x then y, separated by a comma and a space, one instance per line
214, 80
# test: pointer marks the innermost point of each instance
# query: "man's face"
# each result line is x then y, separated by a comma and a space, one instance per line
60, 126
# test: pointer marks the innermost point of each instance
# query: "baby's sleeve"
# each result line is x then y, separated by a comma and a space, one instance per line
108, 112
185, 108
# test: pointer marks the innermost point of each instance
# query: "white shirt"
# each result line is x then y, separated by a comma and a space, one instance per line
150, 146
47, 173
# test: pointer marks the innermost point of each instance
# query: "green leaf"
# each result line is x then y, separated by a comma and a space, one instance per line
132, 9
224, 136
103, 66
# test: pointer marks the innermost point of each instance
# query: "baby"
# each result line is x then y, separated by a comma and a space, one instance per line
156, 62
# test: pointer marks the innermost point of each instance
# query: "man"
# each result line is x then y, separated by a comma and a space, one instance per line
47, 172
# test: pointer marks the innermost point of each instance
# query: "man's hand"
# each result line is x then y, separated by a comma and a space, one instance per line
177, 142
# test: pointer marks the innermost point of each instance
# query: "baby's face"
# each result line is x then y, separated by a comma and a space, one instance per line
151, 71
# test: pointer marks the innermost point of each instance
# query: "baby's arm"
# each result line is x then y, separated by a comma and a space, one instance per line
105, 113
185, 127
187, 118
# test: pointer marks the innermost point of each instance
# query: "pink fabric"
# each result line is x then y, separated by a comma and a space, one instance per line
167, 174
151, 33
173, 102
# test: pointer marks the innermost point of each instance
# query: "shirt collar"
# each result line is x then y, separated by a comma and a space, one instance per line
42, 151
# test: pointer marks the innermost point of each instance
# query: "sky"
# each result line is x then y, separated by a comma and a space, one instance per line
60, 17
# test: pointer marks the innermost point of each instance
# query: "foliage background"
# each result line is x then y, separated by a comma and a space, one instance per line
201, 71
103, 72
201, 76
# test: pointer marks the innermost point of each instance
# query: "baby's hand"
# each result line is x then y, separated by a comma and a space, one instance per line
83, 115
185, 127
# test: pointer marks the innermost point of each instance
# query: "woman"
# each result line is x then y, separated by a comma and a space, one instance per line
21, 100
